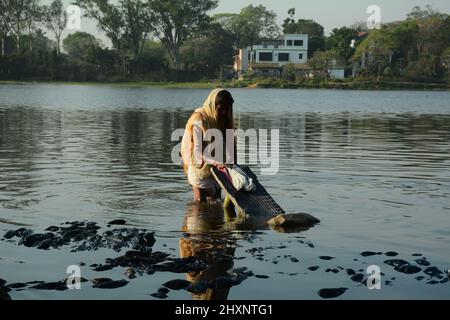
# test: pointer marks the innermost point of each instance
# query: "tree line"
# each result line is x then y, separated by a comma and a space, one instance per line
179, 40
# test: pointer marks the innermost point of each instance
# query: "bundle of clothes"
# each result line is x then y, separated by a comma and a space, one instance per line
239, 179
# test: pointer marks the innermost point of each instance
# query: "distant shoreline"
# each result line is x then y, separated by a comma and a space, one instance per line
259, 84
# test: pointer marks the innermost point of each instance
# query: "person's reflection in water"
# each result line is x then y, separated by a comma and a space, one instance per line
205, 236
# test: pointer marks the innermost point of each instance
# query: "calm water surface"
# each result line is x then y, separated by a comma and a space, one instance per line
372, 166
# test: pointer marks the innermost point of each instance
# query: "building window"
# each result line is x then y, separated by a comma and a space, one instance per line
265, 56
298, 43
300, 56
289, 42
283, 57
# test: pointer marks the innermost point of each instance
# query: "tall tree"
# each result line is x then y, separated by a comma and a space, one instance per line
251, 25
17, 11
5, 22
137, 24
56, 21
175, 20
315, 31
78, 44
33, 16
341, 40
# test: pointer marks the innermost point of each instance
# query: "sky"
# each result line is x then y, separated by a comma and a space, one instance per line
329, 13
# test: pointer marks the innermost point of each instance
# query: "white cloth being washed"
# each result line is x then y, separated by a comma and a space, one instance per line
240, 179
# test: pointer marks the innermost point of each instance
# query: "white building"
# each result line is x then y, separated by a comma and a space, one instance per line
270, 56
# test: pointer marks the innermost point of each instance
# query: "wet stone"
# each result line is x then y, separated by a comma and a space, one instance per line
177, 284
368, 253
59, 285
326, 258
118, 222
113, 284
159, 295
313, 268
294, 259
261, 276
423, 262
391, 254
420, 278
350, 272
434, 272
358, 277
417, 254
331, 293
17, 285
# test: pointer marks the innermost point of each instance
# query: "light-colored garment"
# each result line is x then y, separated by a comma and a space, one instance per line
203, 118
197, 181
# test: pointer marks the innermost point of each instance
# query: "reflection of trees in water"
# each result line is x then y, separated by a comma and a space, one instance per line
27, 135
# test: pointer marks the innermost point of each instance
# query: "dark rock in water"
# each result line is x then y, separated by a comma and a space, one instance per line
391, 254
177, 284
103, 267
387, 283
10, 234
261, 276
326, 258
159, 295
434, 272
98, 281
111, 284
35, 239
350, 272
358, 277
368, 253
403, 266
163, 290
198, 288
130, 273
417, 254
313, 268
2, 282
433, 282
420, 278
59, 285
294, 259
331, 293
4, 294
408, 269
118, 222
423, 262
52, 229
445, 280
17, 285
35, 282
222, 283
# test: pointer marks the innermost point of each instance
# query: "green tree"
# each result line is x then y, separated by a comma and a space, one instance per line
250, 26
315, 31
323, 61
79, 44
56, 21
209, 52
174, 21
5, 22
340, 41
377, 50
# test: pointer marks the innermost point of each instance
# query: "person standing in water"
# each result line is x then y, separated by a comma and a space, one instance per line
216, 113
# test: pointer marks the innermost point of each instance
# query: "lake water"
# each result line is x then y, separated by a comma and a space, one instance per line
373, 166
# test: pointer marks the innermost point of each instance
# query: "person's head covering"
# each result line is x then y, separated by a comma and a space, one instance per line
208, 116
